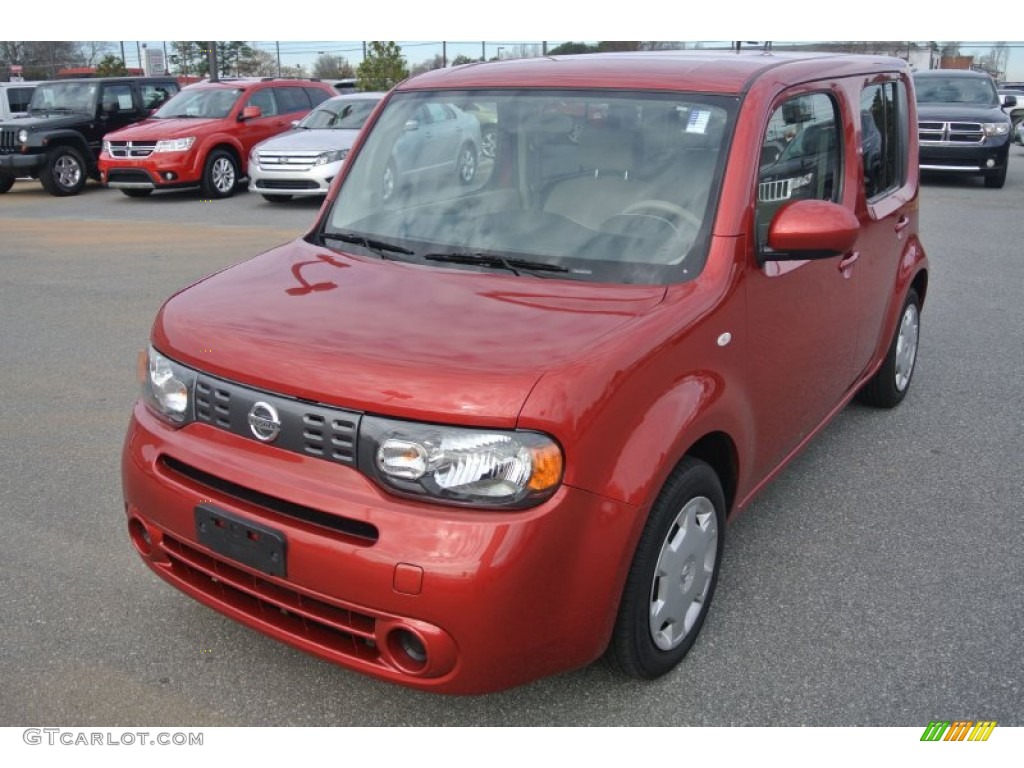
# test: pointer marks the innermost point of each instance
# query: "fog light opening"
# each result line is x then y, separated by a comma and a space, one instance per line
990, 163
140, 537
170, 175
408, 650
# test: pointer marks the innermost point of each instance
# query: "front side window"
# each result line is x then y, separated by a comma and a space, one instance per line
264, 99
587, 185
884, 139
200, 103
800, 156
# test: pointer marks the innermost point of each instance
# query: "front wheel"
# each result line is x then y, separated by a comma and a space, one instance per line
6, 182
64, 173
888, 387
220, 175
673, 575
466, 163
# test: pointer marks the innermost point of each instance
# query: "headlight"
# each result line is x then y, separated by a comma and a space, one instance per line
331, 157
106, 146
995, 129
470, 467
254, 161
175, 145
167, 388
23, 136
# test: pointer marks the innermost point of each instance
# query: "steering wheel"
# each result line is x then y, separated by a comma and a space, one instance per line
672, 214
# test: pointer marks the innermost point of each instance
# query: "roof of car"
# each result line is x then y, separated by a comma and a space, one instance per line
707, 71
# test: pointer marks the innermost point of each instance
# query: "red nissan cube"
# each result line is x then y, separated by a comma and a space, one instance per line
473, 429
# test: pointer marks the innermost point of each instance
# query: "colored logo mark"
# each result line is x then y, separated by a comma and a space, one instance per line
958, 730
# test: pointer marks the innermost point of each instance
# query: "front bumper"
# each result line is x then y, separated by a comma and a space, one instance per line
983, 158
20, 165
312, 182
495, 598
165, 170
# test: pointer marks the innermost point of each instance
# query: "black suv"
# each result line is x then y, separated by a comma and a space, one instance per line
60, 139
961, 125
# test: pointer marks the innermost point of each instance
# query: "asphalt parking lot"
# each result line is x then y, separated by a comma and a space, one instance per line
878, 581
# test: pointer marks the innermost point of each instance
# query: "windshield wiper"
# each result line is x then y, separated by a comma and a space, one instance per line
171, 117
382, 248
499, 262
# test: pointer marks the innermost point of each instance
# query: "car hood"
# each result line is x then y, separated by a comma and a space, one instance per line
53, 122
153, 129
405, 340
311, 139
961, 113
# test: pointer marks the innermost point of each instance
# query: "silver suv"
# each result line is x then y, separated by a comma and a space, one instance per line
306, 159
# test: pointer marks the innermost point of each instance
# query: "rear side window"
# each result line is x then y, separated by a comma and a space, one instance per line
292, 100
884, 137
117, 98
316, 96
155, 94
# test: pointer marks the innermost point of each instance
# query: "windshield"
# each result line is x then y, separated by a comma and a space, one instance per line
340, 114
589, 185
208, 102
64, 97
955, 90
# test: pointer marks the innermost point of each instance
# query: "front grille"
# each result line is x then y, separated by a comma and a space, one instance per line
128, 175
280, 184
306, 428
361, 533
287, 161
774, 191
339, 631
132, 148
9, 140
933, 132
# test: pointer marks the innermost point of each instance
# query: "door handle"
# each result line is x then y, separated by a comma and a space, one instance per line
902, 222
849, 260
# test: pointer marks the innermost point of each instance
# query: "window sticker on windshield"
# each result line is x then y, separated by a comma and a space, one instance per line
698, 122
124, 101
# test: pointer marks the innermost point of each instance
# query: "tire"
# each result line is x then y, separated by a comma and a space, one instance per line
888, 387
64, 173
465, 165
137, 192
220, 175
673, 575
489, 142
277, 198
996, 179
6, 182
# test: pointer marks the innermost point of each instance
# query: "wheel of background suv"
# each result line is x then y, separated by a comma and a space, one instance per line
277, 198
137, 192
996, 179
466, 164
6, 182
673, 575
889, 385
64, 172
220, 175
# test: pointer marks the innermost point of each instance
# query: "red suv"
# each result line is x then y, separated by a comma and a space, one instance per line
203, 136
463, 434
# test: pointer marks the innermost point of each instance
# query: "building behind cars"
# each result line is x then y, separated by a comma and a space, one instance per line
304, 161
961, 125
59, 141
203, 137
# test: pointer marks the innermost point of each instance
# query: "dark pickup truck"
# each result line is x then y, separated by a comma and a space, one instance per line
961, 125
59, 141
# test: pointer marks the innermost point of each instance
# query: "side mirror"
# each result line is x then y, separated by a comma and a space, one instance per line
810, 229
1009, 101
250, 112
412, 125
